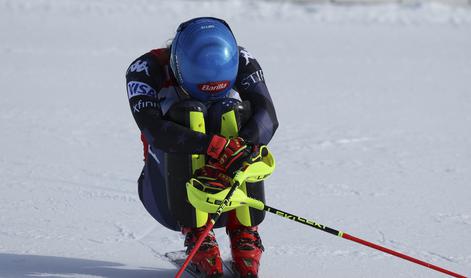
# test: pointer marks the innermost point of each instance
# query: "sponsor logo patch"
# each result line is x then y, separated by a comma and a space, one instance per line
214, 87
247, 56
207, 26
136, 108
139, 66
252, 79
136, 88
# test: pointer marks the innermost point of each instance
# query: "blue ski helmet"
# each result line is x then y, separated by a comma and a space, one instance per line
205, 58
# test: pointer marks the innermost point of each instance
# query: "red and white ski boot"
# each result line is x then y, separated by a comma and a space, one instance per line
247, 249
207, 259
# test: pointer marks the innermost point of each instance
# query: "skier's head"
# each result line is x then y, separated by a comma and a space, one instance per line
204, 58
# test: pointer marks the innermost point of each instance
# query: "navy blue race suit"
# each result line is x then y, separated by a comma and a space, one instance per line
153, 91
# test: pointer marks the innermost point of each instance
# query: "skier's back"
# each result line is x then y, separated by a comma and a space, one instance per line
200, 104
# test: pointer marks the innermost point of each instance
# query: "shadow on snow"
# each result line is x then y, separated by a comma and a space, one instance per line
15, 266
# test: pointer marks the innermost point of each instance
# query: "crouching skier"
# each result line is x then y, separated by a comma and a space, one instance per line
201, 104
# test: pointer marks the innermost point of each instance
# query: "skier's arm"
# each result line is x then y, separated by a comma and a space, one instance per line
251, 86
144, 80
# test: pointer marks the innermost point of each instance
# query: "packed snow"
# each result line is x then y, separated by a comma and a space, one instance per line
374, 107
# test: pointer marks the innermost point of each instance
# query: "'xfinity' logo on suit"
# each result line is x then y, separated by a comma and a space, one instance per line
143, 104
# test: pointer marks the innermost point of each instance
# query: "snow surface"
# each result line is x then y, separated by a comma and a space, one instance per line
374, 108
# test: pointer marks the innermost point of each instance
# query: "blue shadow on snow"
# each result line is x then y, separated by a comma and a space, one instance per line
16, 266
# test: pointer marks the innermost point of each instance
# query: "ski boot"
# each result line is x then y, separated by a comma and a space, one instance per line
247, 248
207, 260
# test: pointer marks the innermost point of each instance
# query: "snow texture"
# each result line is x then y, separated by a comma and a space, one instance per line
374, 107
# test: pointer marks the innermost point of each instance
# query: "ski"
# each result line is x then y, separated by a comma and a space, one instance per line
177, 258
228, 271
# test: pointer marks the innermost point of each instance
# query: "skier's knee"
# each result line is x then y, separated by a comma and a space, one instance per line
217, 110
180, 111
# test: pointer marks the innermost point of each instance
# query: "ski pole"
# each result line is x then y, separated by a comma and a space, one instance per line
254, 168
357, 240
208, 228
259, 171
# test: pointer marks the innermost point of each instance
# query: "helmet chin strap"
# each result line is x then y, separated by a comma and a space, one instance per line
168, 43
183, 91
179, 87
